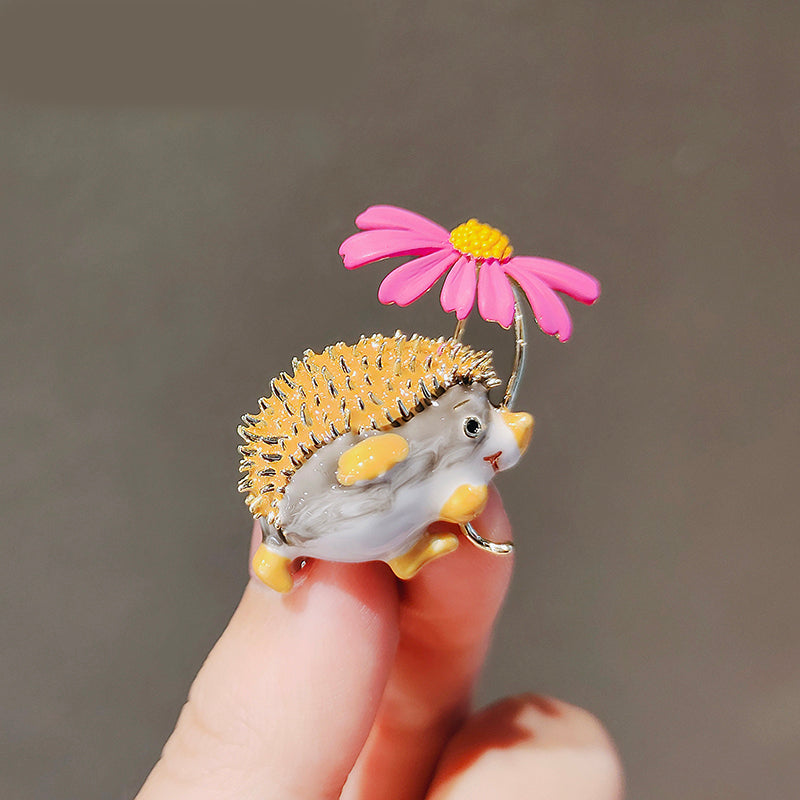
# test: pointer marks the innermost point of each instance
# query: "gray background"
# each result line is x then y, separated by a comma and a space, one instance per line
174, 183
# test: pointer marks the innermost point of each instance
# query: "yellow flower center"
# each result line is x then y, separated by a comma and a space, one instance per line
473, 238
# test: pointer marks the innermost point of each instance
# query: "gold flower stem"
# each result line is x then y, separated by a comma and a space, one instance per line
520, 347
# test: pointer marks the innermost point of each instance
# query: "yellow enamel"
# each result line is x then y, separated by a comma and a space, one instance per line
521, 425
273, 569
347, 388
371, 458
480, 240
464, 504
430, 546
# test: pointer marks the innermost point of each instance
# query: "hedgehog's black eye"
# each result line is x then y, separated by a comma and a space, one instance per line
473, 427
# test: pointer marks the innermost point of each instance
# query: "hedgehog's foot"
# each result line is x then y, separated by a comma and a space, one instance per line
465, 504
430, 546
273, 569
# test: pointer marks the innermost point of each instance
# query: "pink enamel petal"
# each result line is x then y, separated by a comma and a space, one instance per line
550, 312
561, 277
376, 217
364, 248
495, 297
410, 281
458, 292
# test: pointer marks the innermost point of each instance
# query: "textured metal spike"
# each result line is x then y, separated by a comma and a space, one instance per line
360, 403
267, 472
304, 449
287, 472
296, 463
249, 420
343, 365
304, 416
263, 403
267, 488
317, 443
288, 381
332, 389
395, 423
246, 451
271, 456
334, 431
375, 399
245, 466
425, 391
367, 379
273, 384
403, 410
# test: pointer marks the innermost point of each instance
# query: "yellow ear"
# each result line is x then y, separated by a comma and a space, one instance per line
371, 458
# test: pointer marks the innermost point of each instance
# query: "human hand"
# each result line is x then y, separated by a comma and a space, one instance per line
358, 686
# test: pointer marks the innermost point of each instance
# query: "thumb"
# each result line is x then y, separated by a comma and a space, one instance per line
285, 700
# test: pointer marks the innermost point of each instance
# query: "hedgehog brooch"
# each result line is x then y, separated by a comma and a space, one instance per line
356, 453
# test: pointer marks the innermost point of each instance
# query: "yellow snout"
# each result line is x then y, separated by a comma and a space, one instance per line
521, 425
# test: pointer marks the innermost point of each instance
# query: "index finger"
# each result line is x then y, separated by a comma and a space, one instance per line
447, 614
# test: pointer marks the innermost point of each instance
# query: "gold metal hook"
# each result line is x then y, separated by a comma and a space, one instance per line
498, 548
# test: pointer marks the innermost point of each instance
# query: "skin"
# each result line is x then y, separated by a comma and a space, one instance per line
359, 686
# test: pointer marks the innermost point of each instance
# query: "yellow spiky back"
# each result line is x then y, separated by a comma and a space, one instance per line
380, 382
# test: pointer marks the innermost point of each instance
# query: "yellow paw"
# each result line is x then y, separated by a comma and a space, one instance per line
430, 546
465, 503
273, 570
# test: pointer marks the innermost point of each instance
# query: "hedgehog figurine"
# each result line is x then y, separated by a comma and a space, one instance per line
364, 446
356, 453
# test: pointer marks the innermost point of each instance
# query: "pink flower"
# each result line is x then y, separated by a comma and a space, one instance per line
478, 261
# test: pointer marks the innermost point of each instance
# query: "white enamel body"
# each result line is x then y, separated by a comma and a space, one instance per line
382, 518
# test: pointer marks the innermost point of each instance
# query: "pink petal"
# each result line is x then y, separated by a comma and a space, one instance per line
495, 297
376, 217
410, 281
364, 248
561, 277
458, 292
550, 312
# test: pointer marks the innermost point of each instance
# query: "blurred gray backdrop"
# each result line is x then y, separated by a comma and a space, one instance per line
175, 180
